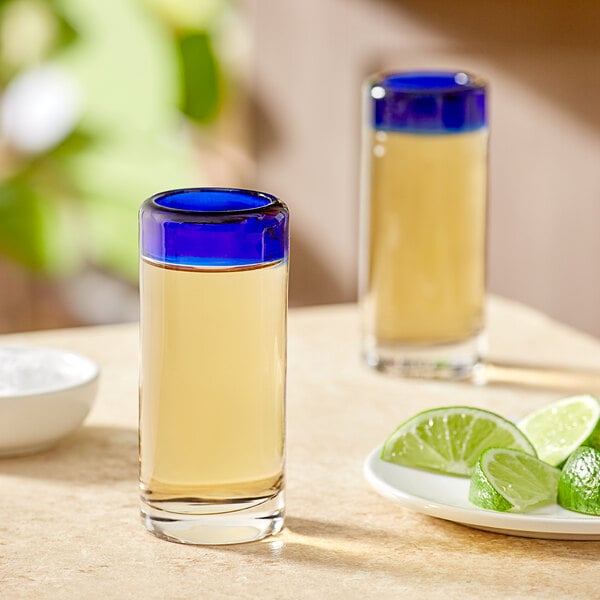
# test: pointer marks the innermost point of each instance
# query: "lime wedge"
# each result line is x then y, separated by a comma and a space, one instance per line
557, 429
512, 480
579, 484
451, 439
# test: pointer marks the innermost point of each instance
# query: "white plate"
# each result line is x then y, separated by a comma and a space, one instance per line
446, 497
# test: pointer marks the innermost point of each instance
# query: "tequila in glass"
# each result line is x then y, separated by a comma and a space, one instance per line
213, 369
424, 226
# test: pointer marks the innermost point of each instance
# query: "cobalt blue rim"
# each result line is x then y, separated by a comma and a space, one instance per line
214, 228
427, 102
256, 201
428, 82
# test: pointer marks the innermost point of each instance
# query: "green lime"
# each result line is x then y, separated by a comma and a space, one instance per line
451, 439
557, 429
512, 480
579, 484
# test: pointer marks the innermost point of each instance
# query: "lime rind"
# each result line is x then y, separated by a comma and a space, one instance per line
450, 440
483, 494
579, 484
558, 429
512, 480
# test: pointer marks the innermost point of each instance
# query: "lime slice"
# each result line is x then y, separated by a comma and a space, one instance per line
579, 484
512, 480
557, 429
451, 439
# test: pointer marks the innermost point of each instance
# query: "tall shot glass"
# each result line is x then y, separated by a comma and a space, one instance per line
213, 286
423, 223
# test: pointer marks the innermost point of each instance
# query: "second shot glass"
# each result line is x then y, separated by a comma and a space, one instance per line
423, 223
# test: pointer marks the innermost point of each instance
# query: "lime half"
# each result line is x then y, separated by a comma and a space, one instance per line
557, 429
579, 485
451, 439
512, 480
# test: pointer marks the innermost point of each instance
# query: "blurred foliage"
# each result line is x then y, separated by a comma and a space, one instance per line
199, 73
146, 73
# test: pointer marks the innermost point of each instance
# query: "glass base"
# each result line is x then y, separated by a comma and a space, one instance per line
462, 360
214, 524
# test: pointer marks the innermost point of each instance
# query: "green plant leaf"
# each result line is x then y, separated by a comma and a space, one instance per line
66, 33
35, 229
200, 86
21, 236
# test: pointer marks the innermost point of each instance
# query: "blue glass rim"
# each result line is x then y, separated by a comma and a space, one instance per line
214, 228
428, 81
427, 101
257, 201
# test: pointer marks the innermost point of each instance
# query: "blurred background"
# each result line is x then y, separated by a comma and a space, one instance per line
104, 103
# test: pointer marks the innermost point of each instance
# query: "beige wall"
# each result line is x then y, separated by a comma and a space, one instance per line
543, 62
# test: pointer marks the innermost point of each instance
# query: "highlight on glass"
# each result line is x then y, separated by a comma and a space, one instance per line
213, 286
423, 223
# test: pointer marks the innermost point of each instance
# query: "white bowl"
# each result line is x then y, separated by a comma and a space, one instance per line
45, 394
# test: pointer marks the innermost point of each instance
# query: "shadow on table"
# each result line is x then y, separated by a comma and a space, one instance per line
93, 455
314, 543
540, 377
353, 549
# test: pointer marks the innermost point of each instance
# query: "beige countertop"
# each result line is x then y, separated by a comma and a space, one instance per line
69, 525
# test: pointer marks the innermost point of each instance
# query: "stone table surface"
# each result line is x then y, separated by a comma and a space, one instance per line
69, 525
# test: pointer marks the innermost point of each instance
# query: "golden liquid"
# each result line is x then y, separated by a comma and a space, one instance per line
212, 382
427, 215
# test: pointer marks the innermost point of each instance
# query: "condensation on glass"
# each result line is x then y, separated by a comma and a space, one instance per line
213, 287
423, 223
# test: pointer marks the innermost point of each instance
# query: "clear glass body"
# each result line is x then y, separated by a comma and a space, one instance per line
423, 251
213, 299
212, 399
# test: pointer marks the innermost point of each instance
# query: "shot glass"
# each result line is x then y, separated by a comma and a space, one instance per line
213, 286
423, 223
